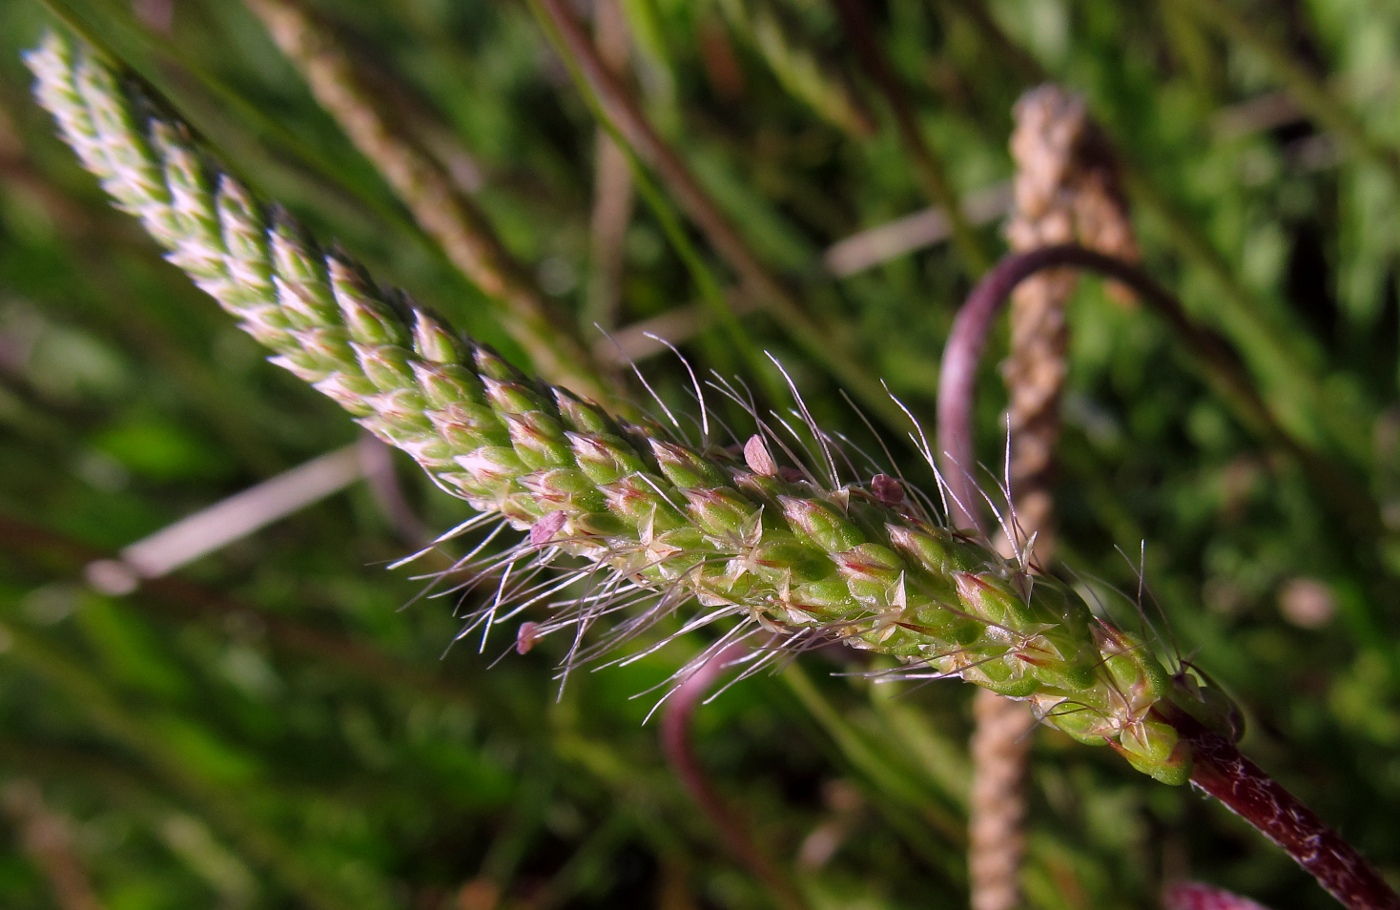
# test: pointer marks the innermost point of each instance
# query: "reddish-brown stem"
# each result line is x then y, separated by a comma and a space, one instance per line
958, 374
1219, 364
1220, 769
675, 741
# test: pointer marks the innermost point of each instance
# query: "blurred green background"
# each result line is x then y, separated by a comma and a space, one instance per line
271, 726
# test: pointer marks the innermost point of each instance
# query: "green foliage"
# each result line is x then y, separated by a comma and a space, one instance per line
269, 729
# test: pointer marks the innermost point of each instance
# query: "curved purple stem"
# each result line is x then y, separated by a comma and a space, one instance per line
676, 743
1220, 769
968, 338
1219, 363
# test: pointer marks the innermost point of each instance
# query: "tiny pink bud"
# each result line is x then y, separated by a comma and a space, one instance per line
887, 490
758, 458
543, 531
529, 632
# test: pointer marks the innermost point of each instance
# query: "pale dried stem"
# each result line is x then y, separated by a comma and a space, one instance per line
377, 465
229, 520
1065, 189
441, 208
916, 231
612, 190
181, 601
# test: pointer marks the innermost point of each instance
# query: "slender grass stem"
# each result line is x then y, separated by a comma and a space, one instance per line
826, 346
768, 26
612, 186
929, 168
1311, 93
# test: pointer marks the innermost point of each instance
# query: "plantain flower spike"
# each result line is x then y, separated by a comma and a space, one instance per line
791, 553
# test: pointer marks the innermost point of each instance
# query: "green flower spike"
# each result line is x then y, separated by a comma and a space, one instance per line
789, 554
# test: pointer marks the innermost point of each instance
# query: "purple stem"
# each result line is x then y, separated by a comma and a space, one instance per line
676, 742
1219, 767
1219, 363
968, 338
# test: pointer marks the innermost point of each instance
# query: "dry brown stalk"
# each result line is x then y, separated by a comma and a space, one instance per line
446, 213
997, 807
1065, 191
612, 190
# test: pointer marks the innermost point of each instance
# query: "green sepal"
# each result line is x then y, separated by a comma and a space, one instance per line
821, 524
685, 468
539, 441
511, 397
1155, 748
435, 342
581, 416
779, 561
386, 366
871, 571
448, 385
604, 458
638, 502
721, 512
565, 487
